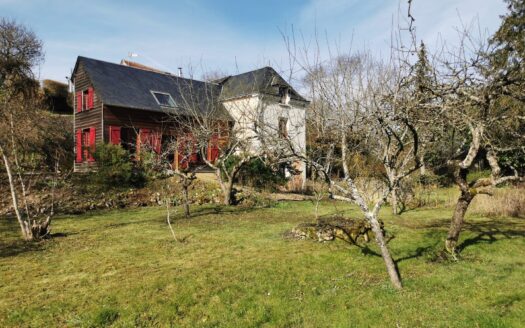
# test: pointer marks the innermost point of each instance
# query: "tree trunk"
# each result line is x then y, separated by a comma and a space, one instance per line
344, 149
168, 220
26, 232
225, 187
395, 205
185, 192
457, 221
385, 253
227, 190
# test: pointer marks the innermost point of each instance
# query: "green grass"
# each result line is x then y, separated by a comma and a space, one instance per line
123, 269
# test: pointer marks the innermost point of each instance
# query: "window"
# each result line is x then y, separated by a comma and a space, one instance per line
163, 99
85, 99
128, 139
85, 144
284, 93
283, 129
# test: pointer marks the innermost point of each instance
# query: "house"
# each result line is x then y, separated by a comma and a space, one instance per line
130, 104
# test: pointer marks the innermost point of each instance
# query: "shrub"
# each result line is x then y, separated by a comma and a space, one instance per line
115, 168
258, 175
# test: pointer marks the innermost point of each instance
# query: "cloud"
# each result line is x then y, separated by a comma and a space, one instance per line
370, 24
182, 33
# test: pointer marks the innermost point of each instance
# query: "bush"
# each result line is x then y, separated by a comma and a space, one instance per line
258, 175
115, 168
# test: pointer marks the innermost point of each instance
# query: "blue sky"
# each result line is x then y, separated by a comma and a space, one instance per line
228, 35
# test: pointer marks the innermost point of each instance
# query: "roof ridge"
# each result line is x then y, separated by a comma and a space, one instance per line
144, 70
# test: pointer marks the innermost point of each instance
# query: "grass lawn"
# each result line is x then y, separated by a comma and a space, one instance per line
122, 268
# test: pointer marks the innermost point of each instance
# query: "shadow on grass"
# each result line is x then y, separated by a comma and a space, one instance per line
17, 247
222, 209
490, 232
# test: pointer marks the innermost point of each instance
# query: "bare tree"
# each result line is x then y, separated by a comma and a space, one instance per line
478, 102
20, 52
211, 135
362, 108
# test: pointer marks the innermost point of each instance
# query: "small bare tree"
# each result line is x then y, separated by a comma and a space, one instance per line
20, 52
218, 139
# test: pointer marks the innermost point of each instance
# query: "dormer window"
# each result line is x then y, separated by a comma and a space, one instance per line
284, 93
164, 99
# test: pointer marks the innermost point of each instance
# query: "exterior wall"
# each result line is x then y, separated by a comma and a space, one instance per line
267, 109
133, 118
89, 118
245, 112
295, 114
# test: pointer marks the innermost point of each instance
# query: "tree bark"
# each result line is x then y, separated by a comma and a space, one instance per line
464, 200
456, 223
344, 149
395, 205
385, 253
227, 190
168, 219
26, 233
185, 192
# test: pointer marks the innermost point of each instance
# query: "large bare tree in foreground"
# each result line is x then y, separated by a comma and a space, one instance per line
363, 106
482, 97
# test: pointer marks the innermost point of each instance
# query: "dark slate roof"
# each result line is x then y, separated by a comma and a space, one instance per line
130, 87
264, 80
124, 86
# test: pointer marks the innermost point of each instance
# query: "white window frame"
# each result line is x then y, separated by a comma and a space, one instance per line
166, 94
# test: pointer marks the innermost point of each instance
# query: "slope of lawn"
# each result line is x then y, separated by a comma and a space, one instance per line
123, 269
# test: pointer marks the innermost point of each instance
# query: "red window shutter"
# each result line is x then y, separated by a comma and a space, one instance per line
114, 135
192, 144
78, 146
213, 148
157, 141
143, 139
91, 95
92, 135
79, 101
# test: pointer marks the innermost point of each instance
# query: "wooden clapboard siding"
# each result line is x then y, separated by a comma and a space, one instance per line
89, 118
135, 118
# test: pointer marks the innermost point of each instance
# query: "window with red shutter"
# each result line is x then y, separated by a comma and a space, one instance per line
85, 100
78, 143
79, 101
92, 135
85, 144
144, 139
90, 97
213, 148
156, 142
114, 135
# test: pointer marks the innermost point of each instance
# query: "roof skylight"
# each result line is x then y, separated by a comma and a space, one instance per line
163, 99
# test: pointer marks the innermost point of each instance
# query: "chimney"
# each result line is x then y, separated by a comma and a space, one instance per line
180, 71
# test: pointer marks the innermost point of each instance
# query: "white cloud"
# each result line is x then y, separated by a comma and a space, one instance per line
171, 36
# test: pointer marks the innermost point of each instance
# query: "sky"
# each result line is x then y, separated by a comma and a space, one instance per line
229, 36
